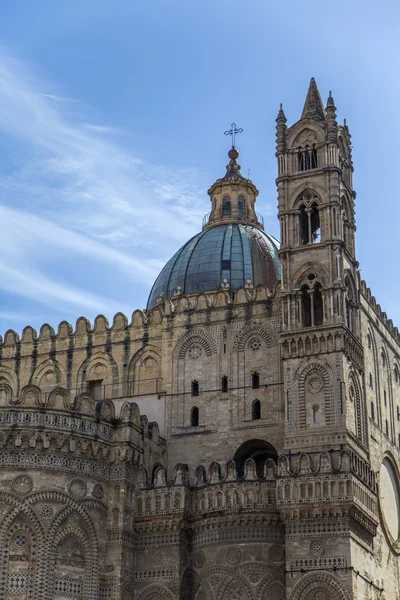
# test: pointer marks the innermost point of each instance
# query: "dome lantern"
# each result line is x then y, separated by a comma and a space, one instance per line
233, 198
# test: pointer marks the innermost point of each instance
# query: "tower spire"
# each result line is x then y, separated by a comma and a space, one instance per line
313, 106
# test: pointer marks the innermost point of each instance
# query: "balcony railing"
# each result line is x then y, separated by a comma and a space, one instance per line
233, 215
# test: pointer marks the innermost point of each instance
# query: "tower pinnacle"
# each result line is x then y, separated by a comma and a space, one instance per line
313, 106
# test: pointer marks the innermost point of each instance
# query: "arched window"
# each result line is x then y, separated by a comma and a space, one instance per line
383, 359
241, 206
194, 416
317, 305
396, 374
370, 380
387, 427
256, 410
368, 340
384, 398
226, 206
372, 411
255, 381
195, 388
224, 384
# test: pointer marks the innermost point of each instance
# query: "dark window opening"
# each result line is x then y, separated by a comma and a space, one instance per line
255, 381
95, 388
309, 224
307, 158
303, 217
384, 398
224, 384
195, 388
387, 427
256, 410
317, 305
399, 440
312, 306
372, 411
226, 206
194, 416
306, 306
370, 380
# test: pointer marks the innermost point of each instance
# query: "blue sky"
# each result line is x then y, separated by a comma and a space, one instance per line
111, 131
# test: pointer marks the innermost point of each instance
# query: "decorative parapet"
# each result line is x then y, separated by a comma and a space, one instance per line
382, 316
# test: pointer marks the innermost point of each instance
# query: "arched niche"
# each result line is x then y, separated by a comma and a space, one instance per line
258, 450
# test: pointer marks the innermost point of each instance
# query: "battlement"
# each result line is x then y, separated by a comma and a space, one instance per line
140, 320
382, 316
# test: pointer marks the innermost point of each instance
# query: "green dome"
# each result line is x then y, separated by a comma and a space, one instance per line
232, 254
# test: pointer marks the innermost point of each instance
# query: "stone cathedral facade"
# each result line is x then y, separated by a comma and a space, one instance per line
237, 440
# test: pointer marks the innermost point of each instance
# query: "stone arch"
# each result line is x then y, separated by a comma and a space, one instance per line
258, 450
79, 562
9, 377
98, 375
235, 588
48, 374
326, 393
323, 581
155, 591
304, 125
300, 276
22, 542
31, 395
354, 390
190, 338
89, 538
144, 371
58, 398
250, 330
22, 516
6, 394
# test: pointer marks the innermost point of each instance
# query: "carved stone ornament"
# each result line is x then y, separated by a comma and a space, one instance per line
98, 491
200, 559
315, 384
276, 553
317, 548
233, 555
195, 352
77, 488
22, 485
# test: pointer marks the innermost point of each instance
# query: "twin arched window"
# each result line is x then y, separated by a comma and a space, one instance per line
195, 388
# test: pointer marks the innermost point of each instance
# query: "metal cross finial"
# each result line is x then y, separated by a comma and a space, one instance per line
233, 131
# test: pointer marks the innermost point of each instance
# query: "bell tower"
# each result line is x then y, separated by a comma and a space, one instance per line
322, 356
316, 213
320, 296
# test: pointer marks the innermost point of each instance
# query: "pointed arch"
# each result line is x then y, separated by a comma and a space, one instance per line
144, 371
48, 374
98, 375
324, 581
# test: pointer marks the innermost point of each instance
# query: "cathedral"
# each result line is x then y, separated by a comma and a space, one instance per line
237, 440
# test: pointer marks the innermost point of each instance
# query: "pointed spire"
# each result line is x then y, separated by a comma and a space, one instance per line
330, 103
331, 119
280, 130
313, 106
281, 118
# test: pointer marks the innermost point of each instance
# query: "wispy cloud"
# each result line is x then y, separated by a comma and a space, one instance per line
73, 191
